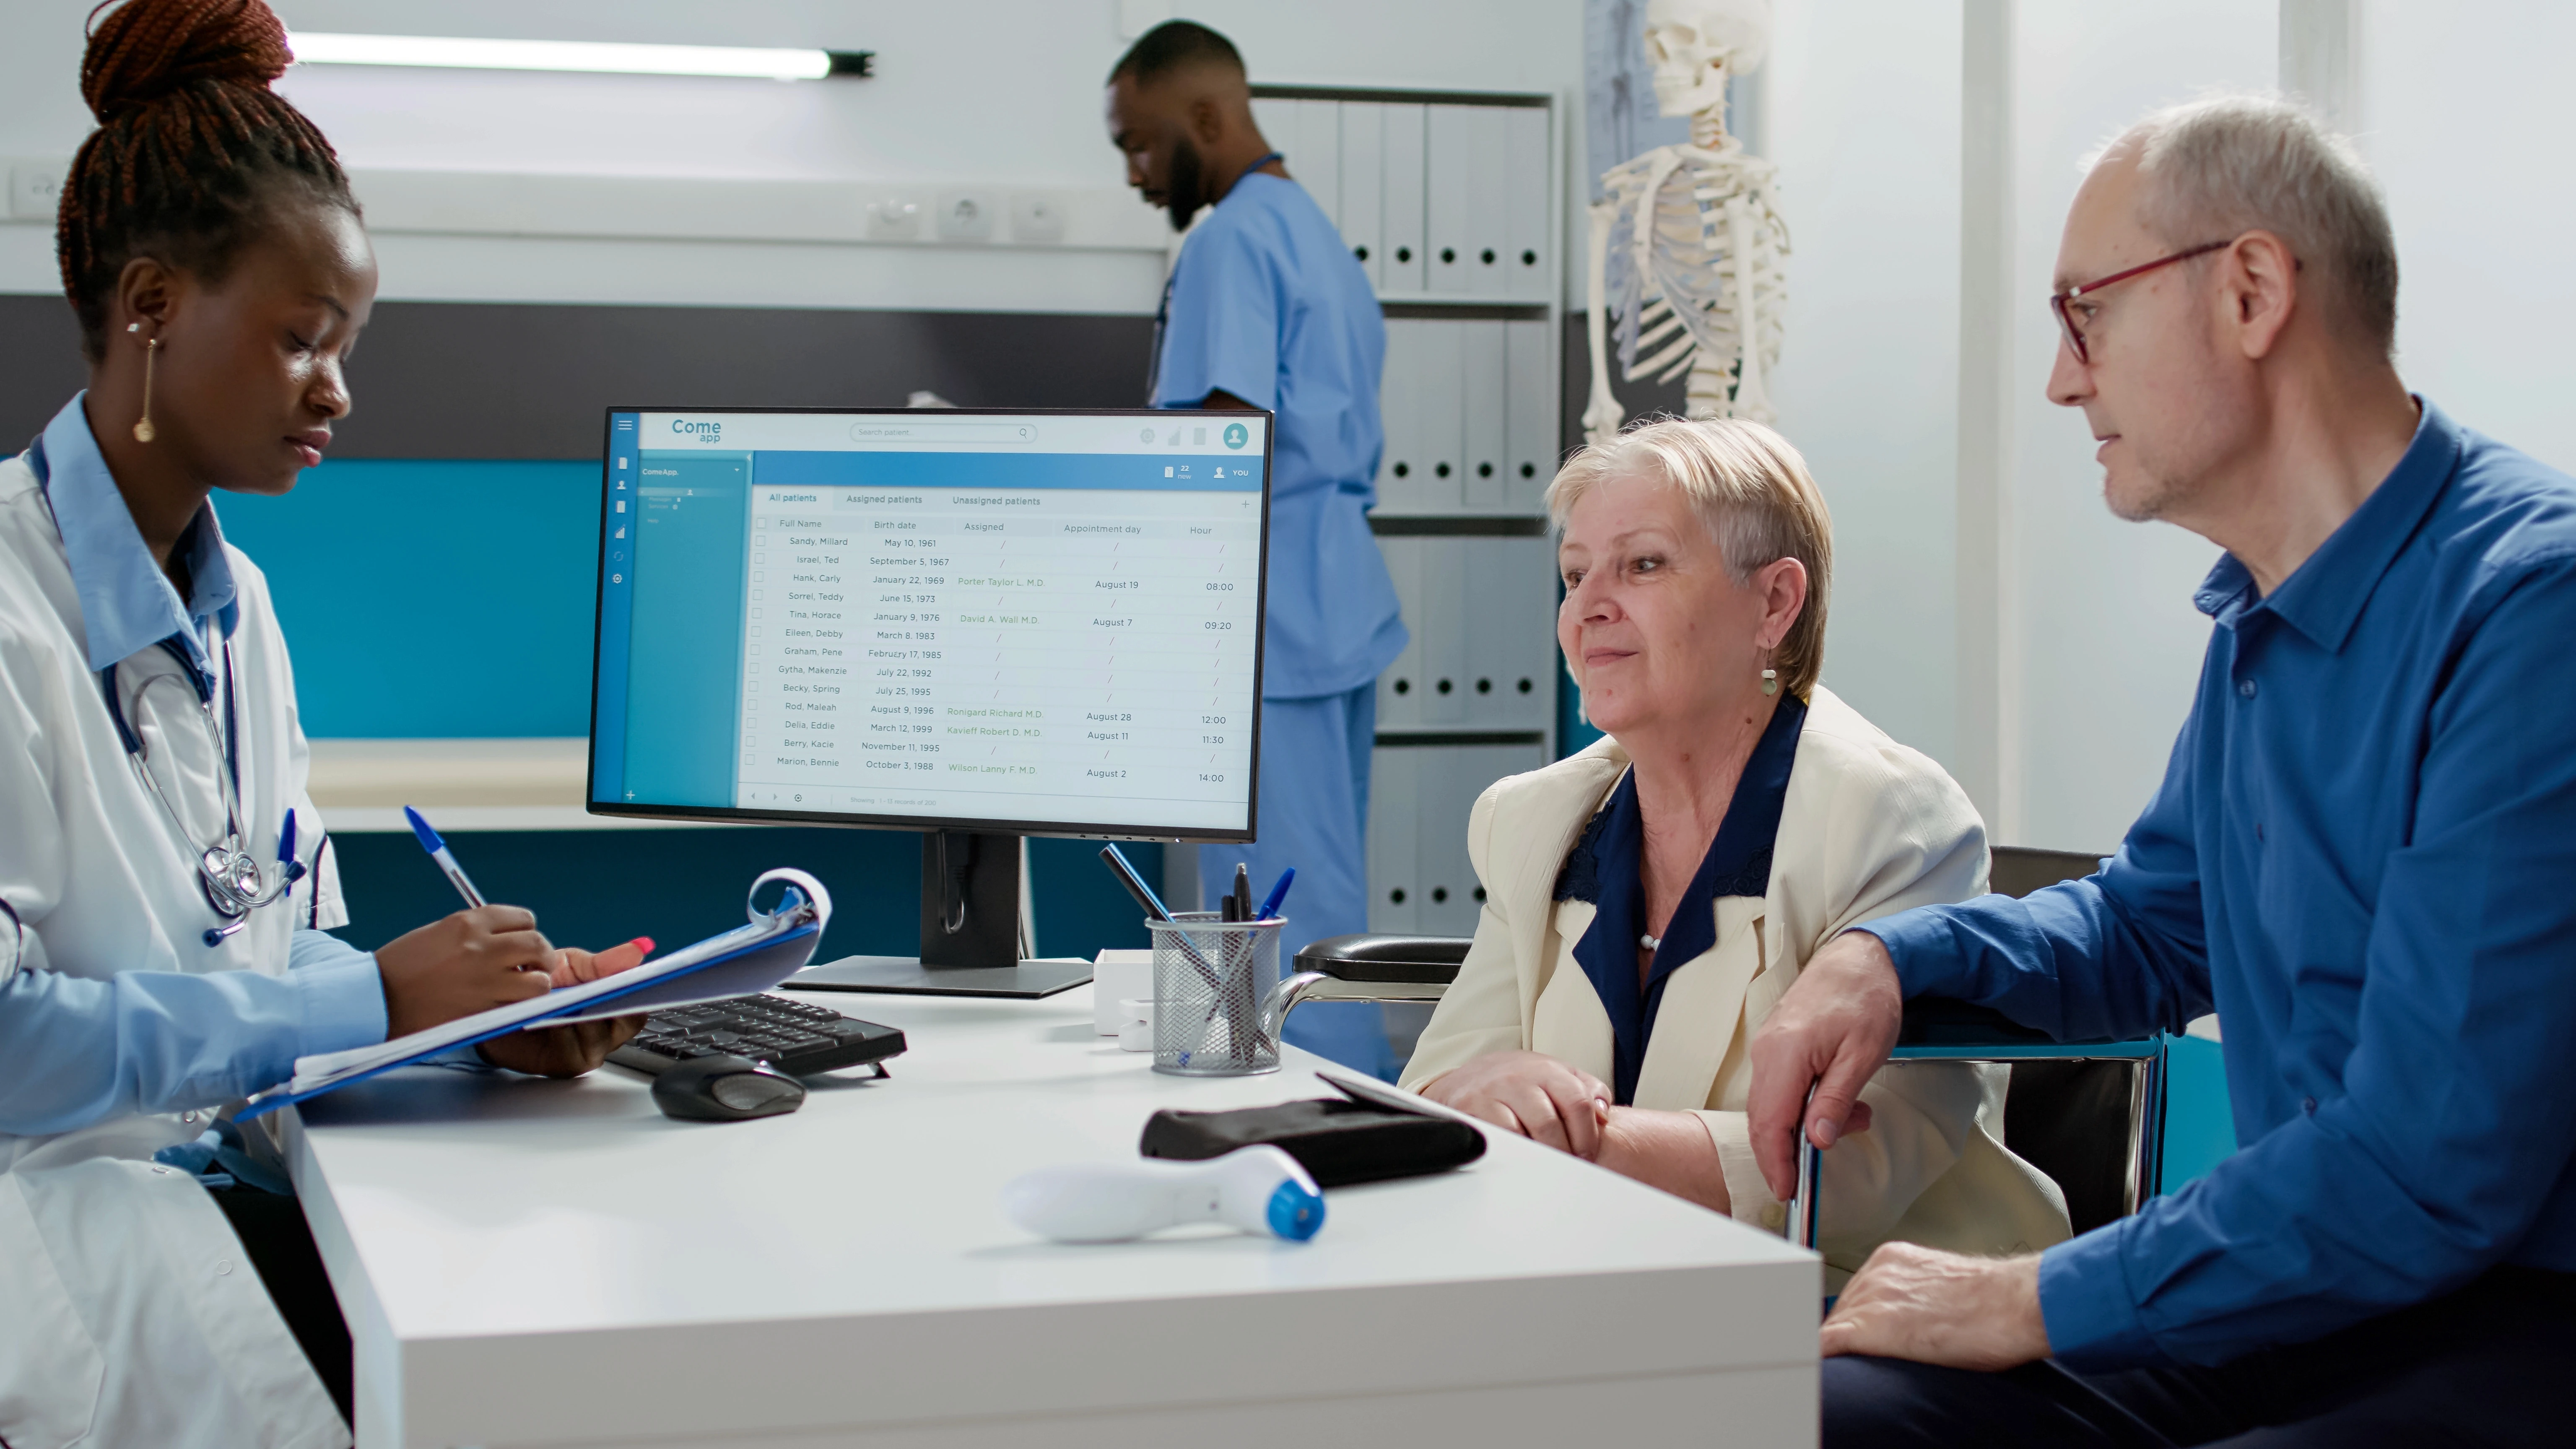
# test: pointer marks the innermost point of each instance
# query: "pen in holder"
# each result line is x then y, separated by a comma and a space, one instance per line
1211, 980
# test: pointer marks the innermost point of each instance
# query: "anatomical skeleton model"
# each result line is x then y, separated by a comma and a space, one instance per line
1687, 245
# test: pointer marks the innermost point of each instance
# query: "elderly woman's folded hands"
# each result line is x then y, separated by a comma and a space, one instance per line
1533, 1094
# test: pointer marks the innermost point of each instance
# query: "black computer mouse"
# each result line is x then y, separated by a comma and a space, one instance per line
725, 1089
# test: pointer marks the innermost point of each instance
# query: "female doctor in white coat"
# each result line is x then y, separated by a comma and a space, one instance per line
1648, 899
159, 946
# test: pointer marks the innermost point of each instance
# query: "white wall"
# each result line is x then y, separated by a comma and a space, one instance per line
2465, 114
2100, 619
1863, 104
1004, 93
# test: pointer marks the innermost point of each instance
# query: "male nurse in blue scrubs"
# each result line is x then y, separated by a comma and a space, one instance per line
1267, 309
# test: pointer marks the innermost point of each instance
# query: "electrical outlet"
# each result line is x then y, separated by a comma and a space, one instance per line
1037, 216
967, 216
36, 189
894, 218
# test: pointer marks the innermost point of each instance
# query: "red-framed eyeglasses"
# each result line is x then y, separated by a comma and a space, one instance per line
2057, 302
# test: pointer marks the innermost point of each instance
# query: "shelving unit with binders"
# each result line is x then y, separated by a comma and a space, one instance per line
1454, 204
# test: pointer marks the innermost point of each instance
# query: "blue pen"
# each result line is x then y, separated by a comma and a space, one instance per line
437, 849
1278, 895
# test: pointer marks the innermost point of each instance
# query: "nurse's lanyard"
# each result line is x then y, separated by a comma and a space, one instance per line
234, 882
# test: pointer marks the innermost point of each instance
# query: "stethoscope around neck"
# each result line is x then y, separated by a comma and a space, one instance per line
234, 882
232, 879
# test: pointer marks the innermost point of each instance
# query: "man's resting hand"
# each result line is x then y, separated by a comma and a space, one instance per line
1940, 1308
1832, 1029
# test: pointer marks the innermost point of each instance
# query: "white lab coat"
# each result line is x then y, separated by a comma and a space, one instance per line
129, 1316
1867, 828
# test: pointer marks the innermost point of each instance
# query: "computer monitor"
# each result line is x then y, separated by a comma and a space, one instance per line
970, 623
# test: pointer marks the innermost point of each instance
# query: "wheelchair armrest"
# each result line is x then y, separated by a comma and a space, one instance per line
1407, 960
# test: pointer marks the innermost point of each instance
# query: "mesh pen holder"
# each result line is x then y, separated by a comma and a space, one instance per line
1211, 982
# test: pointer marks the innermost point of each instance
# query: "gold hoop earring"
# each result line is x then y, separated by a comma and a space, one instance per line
143, 429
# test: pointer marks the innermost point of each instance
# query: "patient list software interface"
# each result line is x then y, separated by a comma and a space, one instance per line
1044, 618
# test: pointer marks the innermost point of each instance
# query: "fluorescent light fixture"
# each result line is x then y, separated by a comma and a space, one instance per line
452, 52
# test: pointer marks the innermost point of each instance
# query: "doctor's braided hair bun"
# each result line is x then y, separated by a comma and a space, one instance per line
194, 155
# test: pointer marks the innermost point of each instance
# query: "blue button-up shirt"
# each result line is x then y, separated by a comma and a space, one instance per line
2363, 856
76, 1050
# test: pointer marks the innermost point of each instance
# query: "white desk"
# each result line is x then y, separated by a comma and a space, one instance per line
554, 1263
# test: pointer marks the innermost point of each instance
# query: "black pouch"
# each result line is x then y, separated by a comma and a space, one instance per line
1338, 1141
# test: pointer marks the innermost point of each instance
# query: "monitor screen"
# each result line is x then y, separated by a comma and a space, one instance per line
1043, 623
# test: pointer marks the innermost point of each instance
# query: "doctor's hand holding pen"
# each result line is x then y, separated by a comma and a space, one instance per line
492, 956
486, 956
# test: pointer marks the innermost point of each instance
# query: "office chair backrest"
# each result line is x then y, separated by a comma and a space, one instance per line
2017, 870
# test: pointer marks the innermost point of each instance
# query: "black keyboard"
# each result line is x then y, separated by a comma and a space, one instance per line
797, 1039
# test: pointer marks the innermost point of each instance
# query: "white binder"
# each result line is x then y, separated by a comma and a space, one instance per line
1399, 688
1363, 168
1393, 830
1529, 166
1485, 462
1405, 178
1317, 161
1530, 413
1489, 263
1449, 157
1402, 467
1440, 398
1511, 614
1444, 687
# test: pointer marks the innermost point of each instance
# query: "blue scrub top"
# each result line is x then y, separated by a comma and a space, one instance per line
1606, 867
1267, 304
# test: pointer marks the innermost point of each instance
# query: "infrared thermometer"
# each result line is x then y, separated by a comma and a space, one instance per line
1255, 1189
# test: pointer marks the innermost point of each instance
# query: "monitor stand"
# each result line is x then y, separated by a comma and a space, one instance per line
970, 932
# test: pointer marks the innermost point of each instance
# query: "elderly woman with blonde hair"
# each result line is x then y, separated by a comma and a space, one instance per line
1647, 900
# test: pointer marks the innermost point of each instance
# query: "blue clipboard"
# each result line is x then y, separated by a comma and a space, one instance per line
751, 958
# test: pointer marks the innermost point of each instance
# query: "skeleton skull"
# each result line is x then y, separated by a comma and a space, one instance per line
1697, 44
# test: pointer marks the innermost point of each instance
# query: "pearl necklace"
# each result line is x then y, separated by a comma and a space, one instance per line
1651, 943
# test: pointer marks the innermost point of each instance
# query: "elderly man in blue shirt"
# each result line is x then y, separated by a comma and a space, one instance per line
1267, 309
2363, 857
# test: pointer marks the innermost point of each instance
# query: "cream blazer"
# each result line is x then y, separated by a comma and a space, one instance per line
1868, 828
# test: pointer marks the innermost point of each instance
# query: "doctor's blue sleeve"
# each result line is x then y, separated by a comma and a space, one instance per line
1222, 327
76, 1051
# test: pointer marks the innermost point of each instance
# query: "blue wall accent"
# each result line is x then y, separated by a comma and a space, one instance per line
595, 888
433, 599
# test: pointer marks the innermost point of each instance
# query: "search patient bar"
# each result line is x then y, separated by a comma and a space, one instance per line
876, 432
